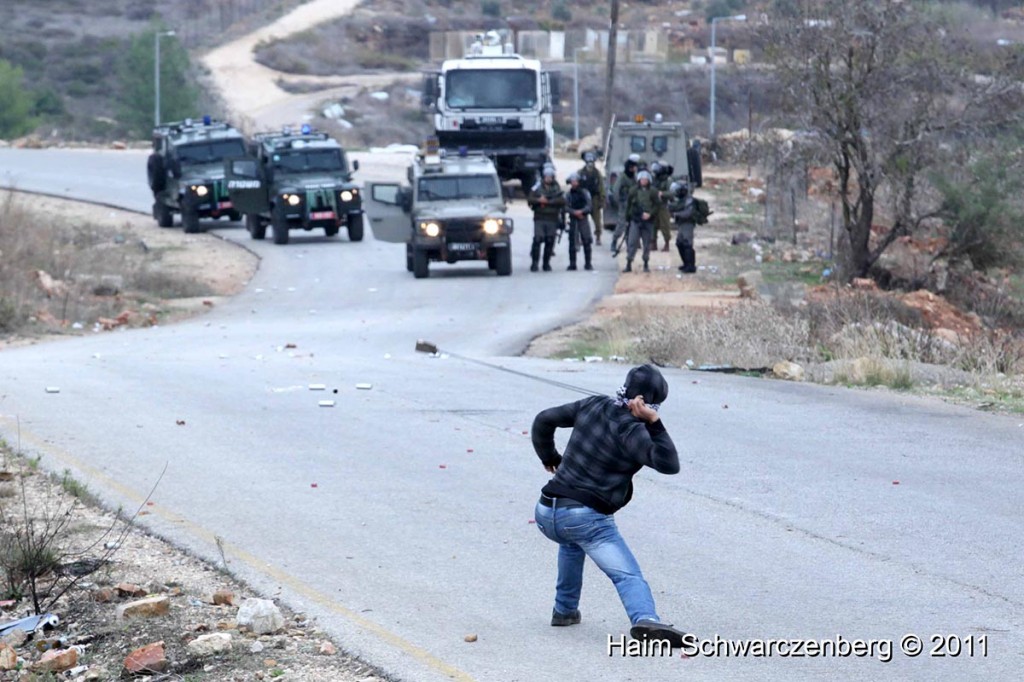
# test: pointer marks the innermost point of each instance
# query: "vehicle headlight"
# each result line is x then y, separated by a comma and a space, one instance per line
492, 225
292, 199
430, 229
200, 190
346, 195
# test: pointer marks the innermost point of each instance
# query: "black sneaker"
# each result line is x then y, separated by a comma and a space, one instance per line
572, 266
561, 619
646, 630
533, 268
546, 267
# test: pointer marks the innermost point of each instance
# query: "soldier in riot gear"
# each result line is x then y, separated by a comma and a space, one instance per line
683, 209
661, 179
547, 201
641, 208
593, 182
579, 204
623, 187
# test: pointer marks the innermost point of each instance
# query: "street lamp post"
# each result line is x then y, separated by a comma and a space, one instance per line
576, 90
711, 118
156, 73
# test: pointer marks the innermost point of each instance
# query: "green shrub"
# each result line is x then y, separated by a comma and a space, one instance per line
16, 102
561, 12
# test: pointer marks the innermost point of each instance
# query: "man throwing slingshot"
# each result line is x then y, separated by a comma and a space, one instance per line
612, 439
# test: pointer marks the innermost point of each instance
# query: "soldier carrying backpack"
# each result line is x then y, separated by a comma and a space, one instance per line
687, 212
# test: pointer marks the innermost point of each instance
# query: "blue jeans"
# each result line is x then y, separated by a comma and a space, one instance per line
581, 532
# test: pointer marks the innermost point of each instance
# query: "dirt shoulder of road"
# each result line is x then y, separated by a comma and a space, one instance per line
204, 261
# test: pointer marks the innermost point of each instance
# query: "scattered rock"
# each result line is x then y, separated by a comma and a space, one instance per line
8, 657
740, 238
790, 371
148, 659
130, 590
205, 646
256, 648
223, 598
144, 608
104, 595
56, 660
748, 283
328, 649
470, 638
864, 283
15, 638
261, 616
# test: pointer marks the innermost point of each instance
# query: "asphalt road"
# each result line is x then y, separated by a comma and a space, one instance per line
400, 516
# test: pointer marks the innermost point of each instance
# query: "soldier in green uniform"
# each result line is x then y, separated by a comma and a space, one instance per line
620, 193
593, 182
661, 179
641, 208
547, 201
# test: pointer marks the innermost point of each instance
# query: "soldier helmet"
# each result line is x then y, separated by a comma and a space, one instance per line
635, 158
589, 157
656, 167
677, 188
643, 175
573, 177
549, 172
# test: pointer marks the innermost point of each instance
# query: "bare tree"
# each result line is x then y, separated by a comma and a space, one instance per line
889, 93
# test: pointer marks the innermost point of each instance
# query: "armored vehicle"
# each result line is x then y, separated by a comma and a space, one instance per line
498, 103
663, 141
452, 210
186, 171
296, 180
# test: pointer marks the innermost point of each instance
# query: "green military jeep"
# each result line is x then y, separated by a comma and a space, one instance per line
296, 181
453, 211
186, 171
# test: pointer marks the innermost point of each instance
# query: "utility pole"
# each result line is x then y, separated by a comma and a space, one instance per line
156, 74
609, 82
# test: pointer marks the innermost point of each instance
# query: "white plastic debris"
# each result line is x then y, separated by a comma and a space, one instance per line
326, 403
592, 358
52, 389
364, 387
318, 387
77, 325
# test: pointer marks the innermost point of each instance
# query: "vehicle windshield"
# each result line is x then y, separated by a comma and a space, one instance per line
210, 152
458, 187
304, 160
491, 89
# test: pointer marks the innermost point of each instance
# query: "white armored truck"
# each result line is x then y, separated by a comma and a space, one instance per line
498, 103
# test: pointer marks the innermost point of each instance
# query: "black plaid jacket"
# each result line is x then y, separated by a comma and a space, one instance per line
607, 446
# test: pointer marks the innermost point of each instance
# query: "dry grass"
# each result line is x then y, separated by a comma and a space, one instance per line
750, 334
55, 273
861, 339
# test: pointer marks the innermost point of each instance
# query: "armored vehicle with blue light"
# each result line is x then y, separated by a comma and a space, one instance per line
186, 171
296, 181
452, 210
